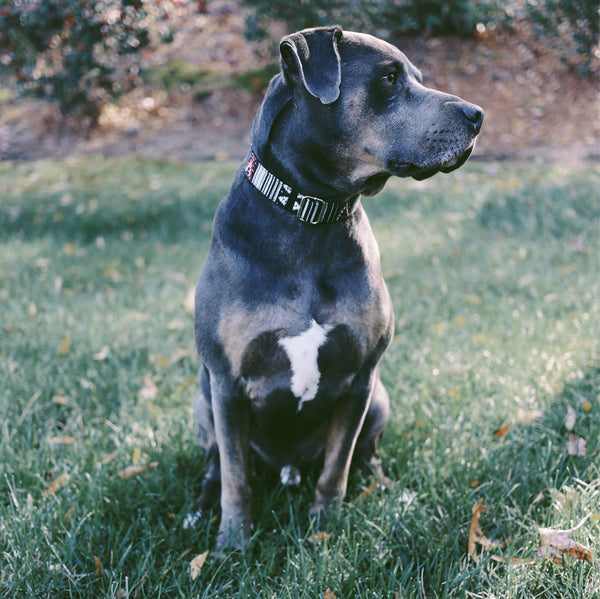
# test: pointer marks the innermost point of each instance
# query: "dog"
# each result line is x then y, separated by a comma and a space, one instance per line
292, 314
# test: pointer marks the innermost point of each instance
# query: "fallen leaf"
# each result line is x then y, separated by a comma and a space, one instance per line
109, 458
64, 346
60, 400
98, 569
318, 537
502, 431
57, 484
556, 544
133, 470
196, 565
366, 492
329, 594
476, 535
577, 446
513, 560
137, 454
570, 419
587, 406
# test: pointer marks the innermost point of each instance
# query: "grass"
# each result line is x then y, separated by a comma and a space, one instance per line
494, 273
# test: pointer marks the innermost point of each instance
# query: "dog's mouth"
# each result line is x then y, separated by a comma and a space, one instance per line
408, 169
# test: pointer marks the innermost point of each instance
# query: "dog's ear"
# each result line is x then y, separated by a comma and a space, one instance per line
311, 58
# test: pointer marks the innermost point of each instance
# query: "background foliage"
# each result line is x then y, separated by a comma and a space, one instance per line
573, 25
78, 53
82, 54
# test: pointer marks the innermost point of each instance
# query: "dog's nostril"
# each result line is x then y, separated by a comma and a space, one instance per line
474, 114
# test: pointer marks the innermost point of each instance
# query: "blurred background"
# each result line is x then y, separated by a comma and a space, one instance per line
182, 79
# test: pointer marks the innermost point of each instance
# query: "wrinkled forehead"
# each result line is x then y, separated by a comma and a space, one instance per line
361, 46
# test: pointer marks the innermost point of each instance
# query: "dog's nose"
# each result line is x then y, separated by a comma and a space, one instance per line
473, 114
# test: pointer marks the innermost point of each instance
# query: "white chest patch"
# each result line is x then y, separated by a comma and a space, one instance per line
303, 351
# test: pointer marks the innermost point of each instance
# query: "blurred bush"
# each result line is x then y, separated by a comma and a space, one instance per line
77, 53
573, 28
570, 25
455, 17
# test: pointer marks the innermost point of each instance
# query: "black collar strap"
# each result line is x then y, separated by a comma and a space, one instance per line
307, 209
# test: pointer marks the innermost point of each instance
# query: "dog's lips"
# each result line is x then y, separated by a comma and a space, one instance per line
418, 172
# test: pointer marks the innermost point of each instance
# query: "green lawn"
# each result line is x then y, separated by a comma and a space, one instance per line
494, 272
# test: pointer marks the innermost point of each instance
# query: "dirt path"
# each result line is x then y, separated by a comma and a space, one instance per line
536, 109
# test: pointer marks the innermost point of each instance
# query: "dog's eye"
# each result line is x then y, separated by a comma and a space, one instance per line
391, 78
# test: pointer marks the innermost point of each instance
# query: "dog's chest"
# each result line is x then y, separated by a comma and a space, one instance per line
293, 368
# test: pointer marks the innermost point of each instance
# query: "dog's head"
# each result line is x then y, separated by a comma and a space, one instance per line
365, 112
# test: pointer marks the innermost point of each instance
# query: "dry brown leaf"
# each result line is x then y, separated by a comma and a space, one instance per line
318, 537
329, 594
196, 565
502, 431
109, 458
366, 492
98, 569
476, 535
137, 454
60, 400
556, 544
64, 346
133, 470
57, 484
513, 560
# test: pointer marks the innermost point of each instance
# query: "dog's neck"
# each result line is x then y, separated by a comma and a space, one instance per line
307, 209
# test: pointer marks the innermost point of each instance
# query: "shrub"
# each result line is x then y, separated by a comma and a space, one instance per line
573, 27
458, 17
78, 53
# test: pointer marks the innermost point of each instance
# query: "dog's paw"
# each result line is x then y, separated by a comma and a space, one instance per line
192, 519
290, 476
233, 537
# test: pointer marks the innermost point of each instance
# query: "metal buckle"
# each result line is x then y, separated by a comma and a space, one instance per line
311, 210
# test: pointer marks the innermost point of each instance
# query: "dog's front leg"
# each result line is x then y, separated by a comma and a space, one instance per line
232, 429
343, 432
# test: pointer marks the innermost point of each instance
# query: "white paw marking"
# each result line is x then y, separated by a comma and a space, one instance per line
303, 351
290, 476
191, 519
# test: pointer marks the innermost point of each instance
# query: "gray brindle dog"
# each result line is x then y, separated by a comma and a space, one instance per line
292, 312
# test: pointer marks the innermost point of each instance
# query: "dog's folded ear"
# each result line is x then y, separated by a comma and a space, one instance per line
311, 58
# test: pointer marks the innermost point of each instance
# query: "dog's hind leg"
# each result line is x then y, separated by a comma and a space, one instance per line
371, 432
211, 484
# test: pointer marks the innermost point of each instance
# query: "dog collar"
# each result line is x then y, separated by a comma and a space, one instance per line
307, 209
